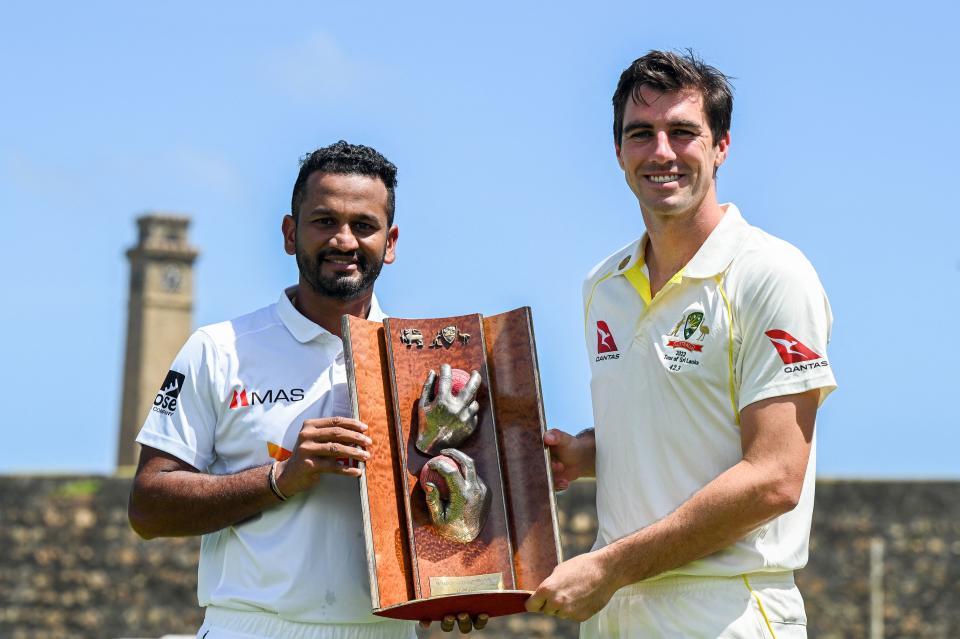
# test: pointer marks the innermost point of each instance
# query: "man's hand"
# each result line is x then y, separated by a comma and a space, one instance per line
572, 457
446, 420
460, 517
320, 445
464, 622
776, 437
577, 589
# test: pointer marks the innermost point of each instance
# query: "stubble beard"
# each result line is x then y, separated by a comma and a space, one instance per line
340, 287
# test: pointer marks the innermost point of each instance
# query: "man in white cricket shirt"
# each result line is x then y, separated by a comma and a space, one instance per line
707, 342
251, 446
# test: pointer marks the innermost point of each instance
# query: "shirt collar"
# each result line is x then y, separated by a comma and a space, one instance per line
721, 245
303, 329
629, 256
714, 255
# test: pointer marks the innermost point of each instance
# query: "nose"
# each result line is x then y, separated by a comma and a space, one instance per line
663, 151
344, 239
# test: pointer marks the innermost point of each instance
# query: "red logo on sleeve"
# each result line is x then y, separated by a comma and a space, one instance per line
790, 349
605, 343
239, 399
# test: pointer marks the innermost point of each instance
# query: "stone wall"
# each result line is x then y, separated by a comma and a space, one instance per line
71, 567
918, 525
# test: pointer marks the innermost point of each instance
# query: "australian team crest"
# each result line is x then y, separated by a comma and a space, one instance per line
692, 323
683, 346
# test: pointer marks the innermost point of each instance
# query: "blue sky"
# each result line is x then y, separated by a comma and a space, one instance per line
498, 116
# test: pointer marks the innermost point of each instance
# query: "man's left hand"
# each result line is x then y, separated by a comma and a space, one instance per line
463, 621
576, 590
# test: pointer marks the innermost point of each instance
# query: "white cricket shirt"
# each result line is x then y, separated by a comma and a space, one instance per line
746, 319
236, 397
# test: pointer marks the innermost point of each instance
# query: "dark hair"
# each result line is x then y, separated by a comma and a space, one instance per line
668, 71
346, 159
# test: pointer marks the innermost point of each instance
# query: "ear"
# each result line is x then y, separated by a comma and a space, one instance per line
391, 253
616, 147
289, 229
723, 148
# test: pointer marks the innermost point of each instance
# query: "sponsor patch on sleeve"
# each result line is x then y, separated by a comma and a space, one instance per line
796, 355
165, 402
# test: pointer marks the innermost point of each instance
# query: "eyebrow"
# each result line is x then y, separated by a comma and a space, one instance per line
639, 124
362, 216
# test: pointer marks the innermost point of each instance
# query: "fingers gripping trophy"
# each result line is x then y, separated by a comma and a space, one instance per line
457, 495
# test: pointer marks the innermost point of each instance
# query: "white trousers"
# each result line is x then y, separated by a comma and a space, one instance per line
221, 623
755, 606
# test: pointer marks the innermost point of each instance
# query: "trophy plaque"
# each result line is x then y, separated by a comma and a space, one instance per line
458, 504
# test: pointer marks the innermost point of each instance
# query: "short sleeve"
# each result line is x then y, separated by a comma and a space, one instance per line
785, 322
183, 418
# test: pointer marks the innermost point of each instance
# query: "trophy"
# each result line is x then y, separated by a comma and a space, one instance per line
457, 496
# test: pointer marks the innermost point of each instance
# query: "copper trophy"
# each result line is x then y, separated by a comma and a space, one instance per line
458, 504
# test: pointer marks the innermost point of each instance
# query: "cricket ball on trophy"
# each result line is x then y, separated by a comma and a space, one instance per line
431, 473
460, 379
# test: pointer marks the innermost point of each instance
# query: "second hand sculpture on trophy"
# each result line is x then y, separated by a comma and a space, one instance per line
457, 498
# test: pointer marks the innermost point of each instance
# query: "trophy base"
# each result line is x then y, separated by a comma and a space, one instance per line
495, 603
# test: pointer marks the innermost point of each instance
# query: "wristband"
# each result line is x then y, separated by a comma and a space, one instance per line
272, 478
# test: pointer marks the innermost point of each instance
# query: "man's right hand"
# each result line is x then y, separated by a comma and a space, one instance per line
320, 444
171, 498
572, 457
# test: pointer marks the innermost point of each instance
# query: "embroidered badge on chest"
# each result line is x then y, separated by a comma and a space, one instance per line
683, 346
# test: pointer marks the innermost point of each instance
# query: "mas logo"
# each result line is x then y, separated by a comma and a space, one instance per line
165, 402
606, 347
242, 398
793, 352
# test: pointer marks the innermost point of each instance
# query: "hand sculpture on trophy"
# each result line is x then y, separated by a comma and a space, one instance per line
457, 498
447, 417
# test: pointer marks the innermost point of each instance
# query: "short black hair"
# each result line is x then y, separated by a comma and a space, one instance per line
667, 71
346, 159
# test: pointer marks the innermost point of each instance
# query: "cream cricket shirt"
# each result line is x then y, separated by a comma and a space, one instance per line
745, 320
236, 397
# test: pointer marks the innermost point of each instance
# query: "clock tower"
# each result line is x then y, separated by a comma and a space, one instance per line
159, 321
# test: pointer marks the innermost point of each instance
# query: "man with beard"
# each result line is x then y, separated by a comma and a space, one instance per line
257, 453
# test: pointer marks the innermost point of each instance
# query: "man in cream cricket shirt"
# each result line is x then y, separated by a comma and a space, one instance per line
707, 342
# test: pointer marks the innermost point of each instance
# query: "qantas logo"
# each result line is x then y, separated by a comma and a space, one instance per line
242, 398
605, 343
796, 356
790, 349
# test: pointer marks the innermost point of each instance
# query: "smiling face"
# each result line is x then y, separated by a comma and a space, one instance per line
667, 153
341, 237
